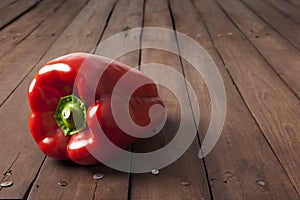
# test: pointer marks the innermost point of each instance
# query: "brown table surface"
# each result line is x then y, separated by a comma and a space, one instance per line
255, 45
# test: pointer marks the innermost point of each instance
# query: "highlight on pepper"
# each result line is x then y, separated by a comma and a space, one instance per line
66, 112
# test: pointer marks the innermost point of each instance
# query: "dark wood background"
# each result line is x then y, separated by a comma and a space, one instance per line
255, 44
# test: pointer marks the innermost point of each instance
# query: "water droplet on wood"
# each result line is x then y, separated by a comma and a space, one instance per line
62, 183
229, 175
185, 183
8, 173
6, 184
261, 182
98, 176
155, 171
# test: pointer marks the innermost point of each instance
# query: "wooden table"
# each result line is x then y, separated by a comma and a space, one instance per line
256, 47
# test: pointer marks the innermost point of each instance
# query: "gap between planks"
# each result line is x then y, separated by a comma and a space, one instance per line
18, 31
113, 185
19, 115
270, 117
243, 185
188, 167
284, 25
14, 69
188, 93
286, 8
282, 57
15, 10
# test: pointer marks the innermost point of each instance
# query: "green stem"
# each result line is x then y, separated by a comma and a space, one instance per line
70, 115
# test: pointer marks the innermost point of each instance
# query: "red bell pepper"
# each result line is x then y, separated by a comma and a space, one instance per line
65, 112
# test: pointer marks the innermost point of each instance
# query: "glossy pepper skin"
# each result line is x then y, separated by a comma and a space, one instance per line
55, 81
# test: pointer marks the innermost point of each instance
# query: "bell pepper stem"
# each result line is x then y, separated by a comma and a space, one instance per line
70, 115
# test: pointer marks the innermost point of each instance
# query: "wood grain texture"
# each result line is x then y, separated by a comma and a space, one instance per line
95, 12
80, 182
280, 22
283, 57
257, 154
18, 63
115, 183
286, 8
242, 155
19, 30
294, 2
14, 10
167, 185
274, 106
5, 3
18, 149
126, 15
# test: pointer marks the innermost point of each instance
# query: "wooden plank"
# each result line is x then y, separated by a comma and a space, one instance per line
127, 14
5, 3
14, 152
15, 60
80, 182
114, 183
294, 2
14, 10
242, 155
16, 65
281, 23
286, 8
283, 57
274, 106
19, 30
167, 185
